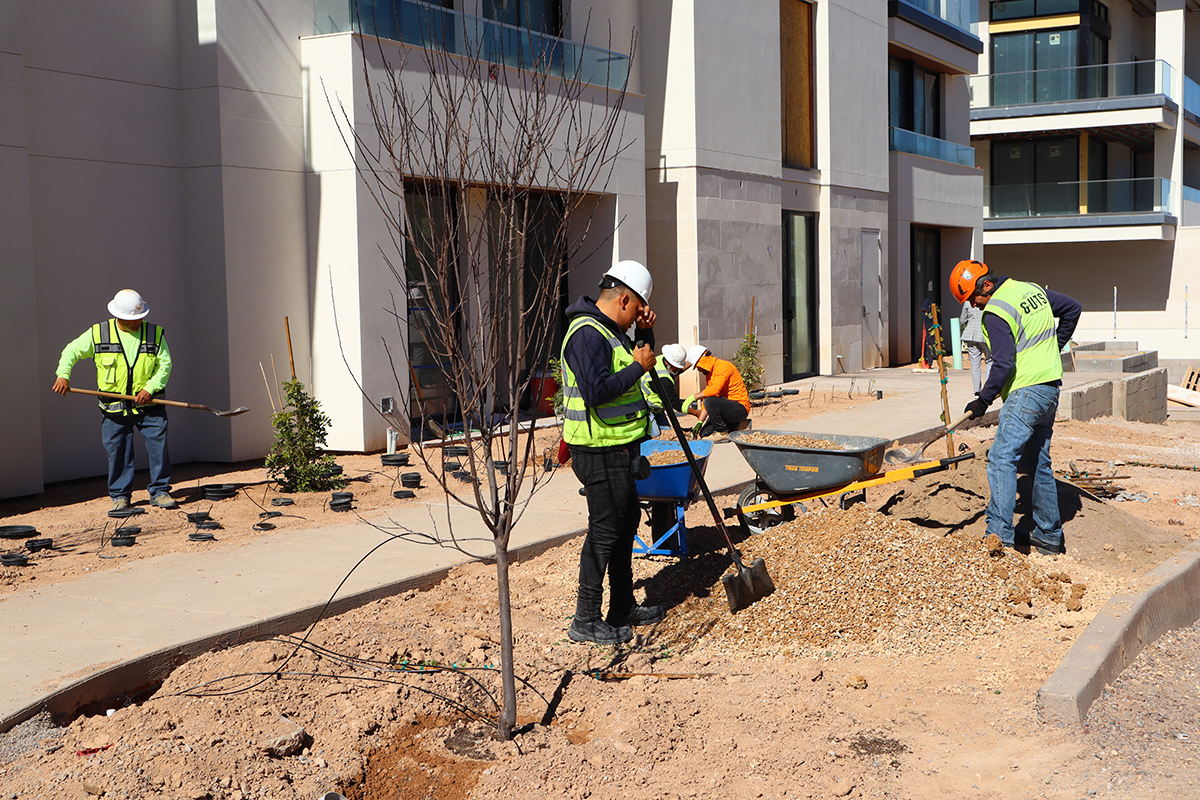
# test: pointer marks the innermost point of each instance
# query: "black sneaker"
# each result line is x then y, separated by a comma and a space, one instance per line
599, 632
640, 615
1047, 548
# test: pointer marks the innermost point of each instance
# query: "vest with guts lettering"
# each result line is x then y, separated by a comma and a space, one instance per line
1026, 309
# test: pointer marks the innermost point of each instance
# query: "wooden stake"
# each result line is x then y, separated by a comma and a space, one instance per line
288, 329
276, 374
267, 384
752, 301
937, 344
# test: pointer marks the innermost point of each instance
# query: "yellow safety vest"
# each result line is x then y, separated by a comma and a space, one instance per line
622, 420
655, 402
114, 373
1026, 309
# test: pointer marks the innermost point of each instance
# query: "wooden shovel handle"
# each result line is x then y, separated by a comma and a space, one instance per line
116, 396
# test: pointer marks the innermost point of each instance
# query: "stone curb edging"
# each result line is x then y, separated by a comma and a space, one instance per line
1115, 637
152, 668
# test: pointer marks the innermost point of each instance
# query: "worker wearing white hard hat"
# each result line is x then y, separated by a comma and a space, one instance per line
132, 358
605, 419
723, 405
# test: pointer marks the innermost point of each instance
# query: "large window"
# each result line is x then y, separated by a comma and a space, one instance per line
914, 98
799, 295
542, 16
1020, 9
1038, 177
796, 63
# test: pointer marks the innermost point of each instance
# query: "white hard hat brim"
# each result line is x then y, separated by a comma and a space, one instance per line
116, 312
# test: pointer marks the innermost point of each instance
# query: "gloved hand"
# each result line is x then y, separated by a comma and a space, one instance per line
687, 403
976, 408
696, 430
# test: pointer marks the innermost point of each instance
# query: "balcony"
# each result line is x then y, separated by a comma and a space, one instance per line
432, 27
1121, 196
959, 13
1191, 98
902, 141
1088, 88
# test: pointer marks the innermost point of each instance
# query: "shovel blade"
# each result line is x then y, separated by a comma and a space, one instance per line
898, 455
750, 584
231, 413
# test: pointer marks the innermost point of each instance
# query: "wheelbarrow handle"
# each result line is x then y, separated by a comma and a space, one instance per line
656, 381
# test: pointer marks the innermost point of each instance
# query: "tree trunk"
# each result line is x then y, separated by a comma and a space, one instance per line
508, 705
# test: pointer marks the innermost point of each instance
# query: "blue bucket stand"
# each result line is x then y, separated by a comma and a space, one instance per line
666, 523
667, 493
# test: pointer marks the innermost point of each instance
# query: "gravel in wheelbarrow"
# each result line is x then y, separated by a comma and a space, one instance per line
791, 470
673, 481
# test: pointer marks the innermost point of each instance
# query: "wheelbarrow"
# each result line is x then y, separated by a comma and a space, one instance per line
666, 494
787, 477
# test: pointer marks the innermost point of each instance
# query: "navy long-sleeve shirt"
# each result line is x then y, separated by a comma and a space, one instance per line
1004, 347
589, 356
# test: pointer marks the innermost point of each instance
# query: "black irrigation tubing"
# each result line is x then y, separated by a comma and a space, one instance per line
100, 552
388, 666
469, 712
266, 513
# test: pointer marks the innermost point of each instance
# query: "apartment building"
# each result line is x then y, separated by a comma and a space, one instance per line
1085, 121
802, 164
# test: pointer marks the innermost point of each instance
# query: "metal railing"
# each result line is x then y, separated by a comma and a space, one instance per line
962, 14
434, 27
1129, 79
1190, 194
1074, 198
918, 144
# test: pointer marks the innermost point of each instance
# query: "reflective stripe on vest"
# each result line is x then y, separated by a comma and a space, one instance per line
1026, 309
622, 420
655, 402
114, 373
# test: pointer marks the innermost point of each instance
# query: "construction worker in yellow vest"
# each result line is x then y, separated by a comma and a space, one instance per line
132, 358
1026, 373
605, 420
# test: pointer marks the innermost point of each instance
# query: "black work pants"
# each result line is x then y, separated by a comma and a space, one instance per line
613, 517
724, 415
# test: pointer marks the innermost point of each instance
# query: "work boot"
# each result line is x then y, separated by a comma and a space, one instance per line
163, 500
598, 631
718, 437
120, 503
639, 615
1046, 548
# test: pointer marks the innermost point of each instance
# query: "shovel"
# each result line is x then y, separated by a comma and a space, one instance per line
750, 583
898, 455
177, 404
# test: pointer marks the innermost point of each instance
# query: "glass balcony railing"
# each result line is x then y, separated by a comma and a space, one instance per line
433, 27
1071, 83
962, 14
1191, 96
1073, 198
902, 141
1191, 194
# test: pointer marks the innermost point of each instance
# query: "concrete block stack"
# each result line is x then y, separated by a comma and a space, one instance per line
1141, 397
1087, 401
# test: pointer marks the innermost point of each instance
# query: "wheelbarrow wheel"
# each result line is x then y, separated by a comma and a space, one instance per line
758, 521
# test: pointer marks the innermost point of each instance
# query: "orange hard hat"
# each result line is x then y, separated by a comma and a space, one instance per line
964, 277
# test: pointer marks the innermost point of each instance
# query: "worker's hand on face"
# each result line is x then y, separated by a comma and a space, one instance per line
646, 317
644, 355
976, 408
142, 398
61, 386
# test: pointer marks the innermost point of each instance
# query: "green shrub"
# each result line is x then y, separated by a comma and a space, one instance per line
295, 460
748, 362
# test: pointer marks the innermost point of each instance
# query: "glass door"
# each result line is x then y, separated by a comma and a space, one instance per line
799, 295
926, 262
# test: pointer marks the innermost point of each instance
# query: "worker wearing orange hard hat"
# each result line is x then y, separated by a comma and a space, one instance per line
1026, 373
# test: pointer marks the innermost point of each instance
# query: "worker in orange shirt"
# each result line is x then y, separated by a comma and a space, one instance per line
723, 405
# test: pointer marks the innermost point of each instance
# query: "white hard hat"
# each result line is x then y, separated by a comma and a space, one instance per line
128, 304
695, 354
675, 355
631, 274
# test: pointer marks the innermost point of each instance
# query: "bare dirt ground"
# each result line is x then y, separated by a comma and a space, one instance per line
899, 658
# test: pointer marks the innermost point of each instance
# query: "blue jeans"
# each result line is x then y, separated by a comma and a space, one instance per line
1026, 424
117, 433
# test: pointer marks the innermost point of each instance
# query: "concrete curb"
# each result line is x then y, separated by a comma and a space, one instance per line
131, 677
1113, 639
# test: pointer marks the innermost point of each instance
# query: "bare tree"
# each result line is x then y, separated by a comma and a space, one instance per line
487, 150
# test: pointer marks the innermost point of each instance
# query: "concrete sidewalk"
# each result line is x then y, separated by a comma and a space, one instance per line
111, 633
